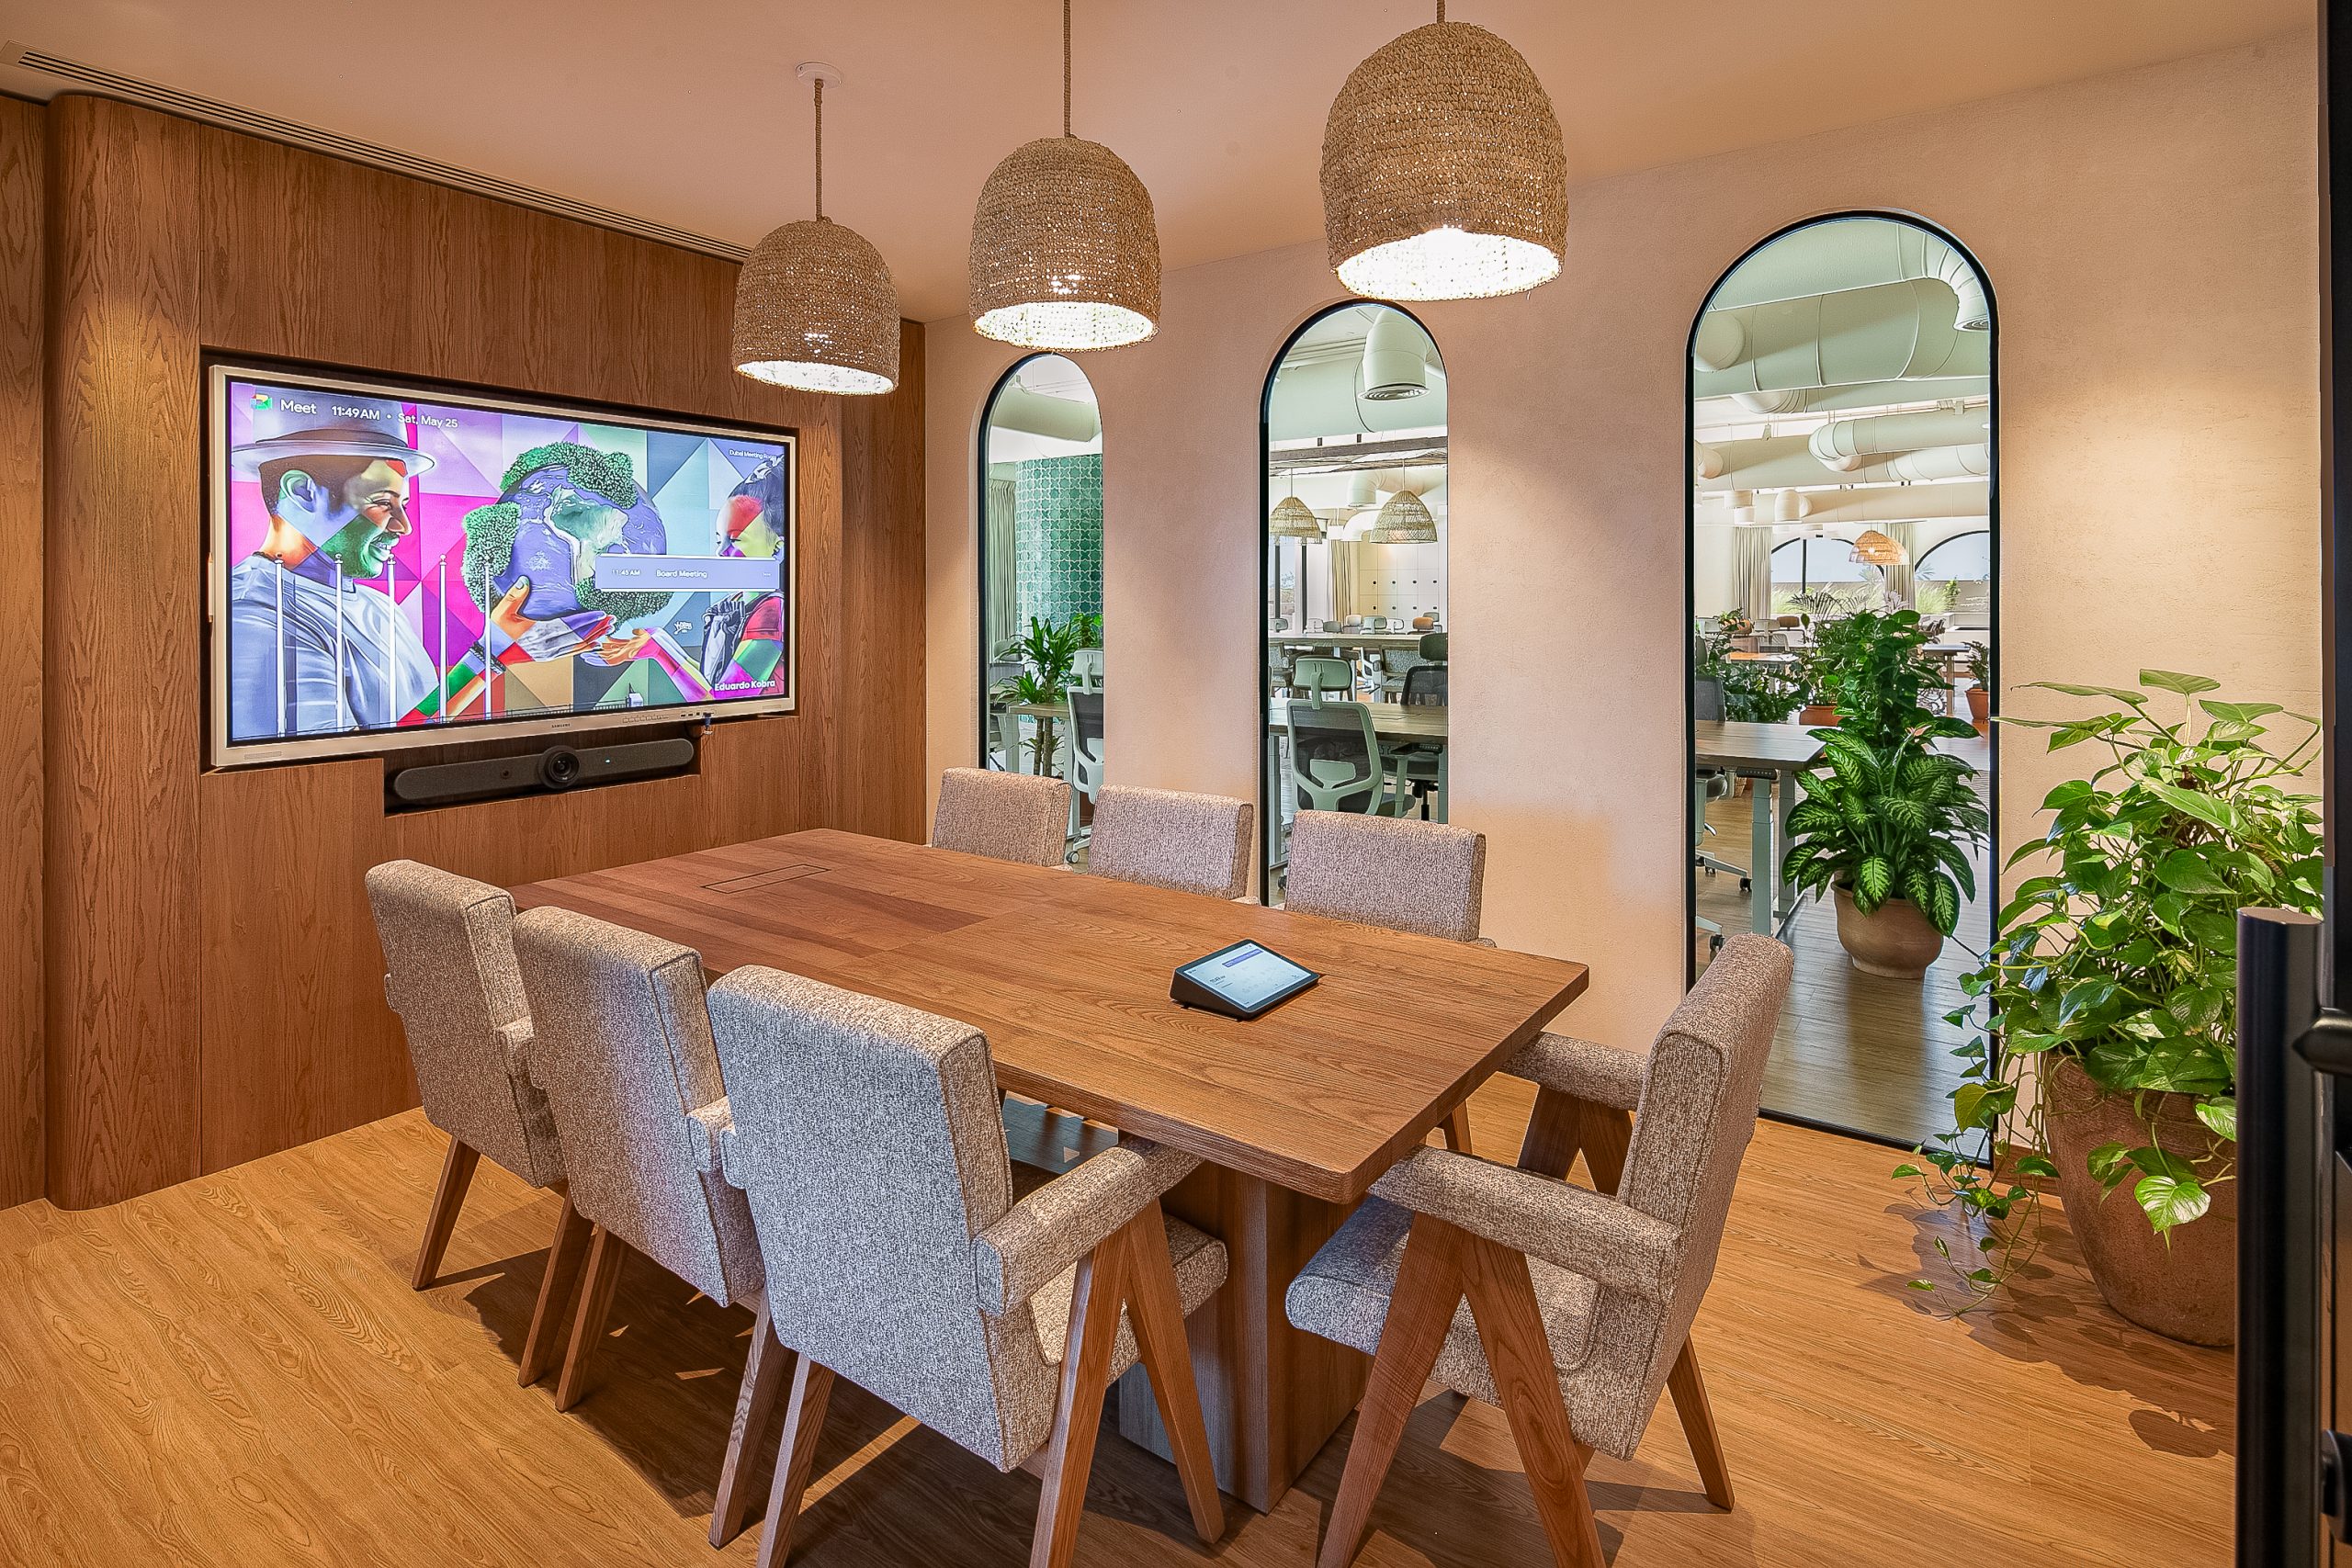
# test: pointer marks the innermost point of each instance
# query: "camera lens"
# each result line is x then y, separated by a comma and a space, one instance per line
560, 768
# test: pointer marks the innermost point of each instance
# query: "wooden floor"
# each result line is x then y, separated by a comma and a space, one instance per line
1853, 1050
234, 1374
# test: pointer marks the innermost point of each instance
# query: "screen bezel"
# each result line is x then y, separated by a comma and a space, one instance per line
222, 753
1306, 977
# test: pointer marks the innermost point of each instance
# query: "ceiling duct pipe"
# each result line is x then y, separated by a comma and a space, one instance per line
1061, 419
1705, 461
1877, 504
1324, 397
1848, 253
1847, 444
1865, 395
1395, 358
1894, 331
1971, 462
1720, 343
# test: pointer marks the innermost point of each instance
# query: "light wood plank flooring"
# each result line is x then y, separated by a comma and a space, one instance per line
234, 1374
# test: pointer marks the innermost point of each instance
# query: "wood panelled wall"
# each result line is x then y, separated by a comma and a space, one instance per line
213, 981
21, 671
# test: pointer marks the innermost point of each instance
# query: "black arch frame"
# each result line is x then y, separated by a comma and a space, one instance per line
1267, 803
1689, 602
980, 541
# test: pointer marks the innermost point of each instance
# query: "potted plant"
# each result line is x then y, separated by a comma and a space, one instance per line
2110, 985
1754, 692
1978, 668
1887, 820
1048, 650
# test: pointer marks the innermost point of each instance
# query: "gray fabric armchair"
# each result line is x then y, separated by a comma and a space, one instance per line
449, 974
1580, 1303
1194, 843
867, 1138
1015, 817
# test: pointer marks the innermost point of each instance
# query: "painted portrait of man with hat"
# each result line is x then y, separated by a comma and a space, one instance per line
311, 649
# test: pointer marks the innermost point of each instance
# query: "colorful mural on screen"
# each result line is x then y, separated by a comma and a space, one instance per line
395, 564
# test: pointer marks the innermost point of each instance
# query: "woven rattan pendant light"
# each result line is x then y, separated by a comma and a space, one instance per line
1404, 520
814, 305
1294, 519
1064, 250
1444, 174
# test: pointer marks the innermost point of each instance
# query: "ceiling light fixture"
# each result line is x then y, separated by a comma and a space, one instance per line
1294, 519
1443, 173
815, 308
1404, 520
1065, 249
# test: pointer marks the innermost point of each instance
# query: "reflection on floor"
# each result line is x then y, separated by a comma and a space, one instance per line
1854, 1050
235, 1371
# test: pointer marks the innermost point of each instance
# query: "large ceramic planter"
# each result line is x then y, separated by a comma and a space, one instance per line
1980, 708
1893, 940
2183, 1290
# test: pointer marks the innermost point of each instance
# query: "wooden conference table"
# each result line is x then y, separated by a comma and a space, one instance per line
1296, 1114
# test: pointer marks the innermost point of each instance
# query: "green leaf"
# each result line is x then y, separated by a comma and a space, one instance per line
1873, 879
2170, 1201
2187, 871
2173, 680
2119, 693
2220, 1115
2108, 1164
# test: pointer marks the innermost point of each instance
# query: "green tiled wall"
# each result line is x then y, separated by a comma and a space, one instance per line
1058, 536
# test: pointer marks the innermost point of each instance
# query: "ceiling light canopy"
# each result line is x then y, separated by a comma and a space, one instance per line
1443, 173
1065, 248
815, 308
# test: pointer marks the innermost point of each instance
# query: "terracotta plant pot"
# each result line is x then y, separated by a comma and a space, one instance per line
2186, 1289
1815, 717
1980, 708
1895, 939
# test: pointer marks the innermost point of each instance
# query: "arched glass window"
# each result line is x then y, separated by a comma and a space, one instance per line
1355, 628
1041, 577
1843, 403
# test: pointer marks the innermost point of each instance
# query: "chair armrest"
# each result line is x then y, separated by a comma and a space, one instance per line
710, 1130
1600, 1074
1571, 1226
519, 1038
1067, 1218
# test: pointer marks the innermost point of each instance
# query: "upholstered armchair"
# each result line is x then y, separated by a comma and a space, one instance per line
449, 974
867, 1138
1194, 843
1004, 816
1580, 1303
625, 1055
1409, 875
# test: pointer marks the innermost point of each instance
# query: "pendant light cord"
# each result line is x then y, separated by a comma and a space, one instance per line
1065, 67
821, 149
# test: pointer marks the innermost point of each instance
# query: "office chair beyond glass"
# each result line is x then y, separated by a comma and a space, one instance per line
1708, 784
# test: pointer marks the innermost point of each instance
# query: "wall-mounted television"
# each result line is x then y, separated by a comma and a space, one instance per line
395, 564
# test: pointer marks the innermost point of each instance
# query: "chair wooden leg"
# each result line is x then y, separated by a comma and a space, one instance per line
1457, 1129
1518, 1355
556, 1282
1554, 1134
1690, 1393
1157, 1311
1608, 1134
457, 1175
1428, 1287
763, 1371
1078, 1418
795, 1458
605, 1254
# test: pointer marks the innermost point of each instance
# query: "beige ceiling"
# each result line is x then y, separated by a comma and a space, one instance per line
685, 111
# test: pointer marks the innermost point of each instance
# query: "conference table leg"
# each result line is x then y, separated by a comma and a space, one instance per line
1273, 1396
1790, 789
1764, 863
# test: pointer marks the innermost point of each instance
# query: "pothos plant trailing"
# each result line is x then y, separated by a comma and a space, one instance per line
1885, 814
2121, 957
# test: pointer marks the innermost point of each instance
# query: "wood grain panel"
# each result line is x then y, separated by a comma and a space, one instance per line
124, 724
212, 966
881, 785
22, 229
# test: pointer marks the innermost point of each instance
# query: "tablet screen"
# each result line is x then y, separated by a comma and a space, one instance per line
1247, 976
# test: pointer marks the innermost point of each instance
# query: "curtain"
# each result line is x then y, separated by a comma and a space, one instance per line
1898, 578
1751, 568
1001, 571
1343, 578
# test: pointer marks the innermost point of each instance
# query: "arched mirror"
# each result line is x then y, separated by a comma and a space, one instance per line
1355, 628
1843, 520
1042, 686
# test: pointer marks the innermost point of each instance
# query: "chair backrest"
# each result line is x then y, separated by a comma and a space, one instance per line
624, 1052
868, 1139
1707, 699
1194, 843
449, 973
1015, 817
1086, 721
1700, 1090
1334, 749
1408, 875
1425, 685
1433, 647
1085, 670
1317, 673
